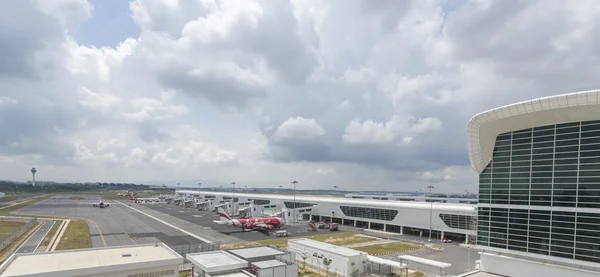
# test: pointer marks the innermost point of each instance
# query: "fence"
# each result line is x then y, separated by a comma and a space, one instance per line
16, 234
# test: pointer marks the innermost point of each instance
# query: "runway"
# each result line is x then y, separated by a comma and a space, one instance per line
112, 226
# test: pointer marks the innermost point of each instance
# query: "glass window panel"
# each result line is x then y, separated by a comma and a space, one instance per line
567, 136
543, 151
566, 149
505, 164
567, 142
591, 122
541, 174
502, 175
590, 134
504, 136
521, 152
502, 148
521, 169
590, 154
589, 167
589, 147
525, 146
565, 161
522, 141
543, 133
589, 180
570, 124
541, 186
589, 173
543, 139
520, 175
565, 174
503, 143
589, 160
541, 168
565, 186
590, 141
565, 167
501, 159
564, 180
588, 205
590, 128
502, 154
500, 170
568, 130
540, 180
521, 135
566, 155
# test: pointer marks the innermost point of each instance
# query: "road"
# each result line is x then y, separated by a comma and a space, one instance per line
33, 242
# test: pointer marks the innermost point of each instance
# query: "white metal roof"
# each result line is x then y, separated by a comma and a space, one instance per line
486, 126
90, 261
235, 274
448, 207
424, 261
383, 261
340, 250
253, 252
269, 264
216, 261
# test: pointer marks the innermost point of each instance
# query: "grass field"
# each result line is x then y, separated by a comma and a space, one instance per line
384, 248
8, 227
76, 236
46, 241
333, 238
76, 198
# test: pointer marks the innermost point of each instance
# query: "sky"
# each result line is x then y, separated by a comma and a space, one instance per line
363, 95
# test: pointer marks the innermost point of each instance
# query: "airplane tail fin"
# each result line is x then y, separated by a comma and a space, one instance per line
223, 215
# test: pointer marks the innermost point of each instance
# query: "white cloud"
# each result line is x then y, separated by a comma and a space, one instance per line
298, 128
397, 128
294, 88
5, 100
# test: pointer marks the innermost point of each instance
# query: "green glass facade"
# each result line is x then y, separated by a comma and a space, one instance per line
541, 192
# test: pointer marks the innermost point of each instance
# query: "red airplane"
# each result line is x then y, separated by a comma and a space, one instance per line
258, 223
101, 204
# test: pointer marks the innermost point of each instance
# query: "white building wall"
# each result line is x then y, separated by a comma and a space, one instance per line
504, 265
127, 273
340, 264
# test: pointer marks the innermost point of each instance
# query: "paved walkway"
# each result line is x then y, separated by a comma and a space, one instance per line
368, 243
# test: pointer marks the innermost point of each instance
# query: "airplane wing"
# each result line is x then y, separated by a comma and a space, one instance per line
263, 226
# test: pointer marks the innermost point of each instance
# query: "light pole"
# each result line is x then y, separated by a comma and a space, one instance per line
233, 197
199, 184
430, 210
294, 182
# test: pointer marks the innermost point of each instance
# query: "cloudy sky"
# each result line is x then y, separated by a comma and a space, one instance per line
358, 94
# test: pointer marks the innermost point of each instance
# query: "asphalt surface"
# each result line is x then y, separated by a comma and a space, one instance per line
33, 242
206, 220
112, 226
462, 261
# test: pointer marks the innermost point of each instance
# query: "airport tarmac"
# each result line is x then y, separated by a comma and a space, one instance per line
205, 219
117, 224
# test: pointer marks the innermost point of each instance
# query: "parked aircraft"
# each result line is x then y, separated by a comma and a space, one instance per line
253, 223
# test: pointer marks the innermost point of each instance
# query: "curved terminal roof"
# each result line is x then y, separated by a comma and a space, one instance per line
486, 126
447, 207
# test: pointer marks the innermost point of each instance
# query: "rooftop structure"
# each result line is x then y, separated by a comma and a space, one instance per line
339, 250
90, 261
252, 253
216, 261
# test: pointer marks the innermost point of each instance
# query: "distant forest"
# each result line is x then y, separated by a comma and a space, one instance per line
11, 186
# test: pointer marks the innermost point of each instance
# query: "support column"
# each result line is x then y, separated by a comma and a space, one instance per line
354, 223
442, 236
369, 225
385, 227
467, 239
401, 230
421, 233
342, 221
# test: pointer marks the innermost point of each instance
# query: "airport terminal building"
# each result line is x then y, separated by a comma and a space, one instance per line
539, 186
451, 220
